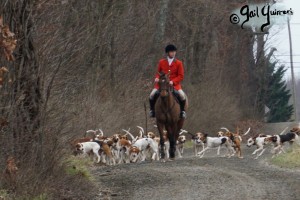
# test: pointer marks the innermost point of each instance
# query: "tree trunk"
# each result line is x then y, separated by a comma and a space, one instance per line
26, 92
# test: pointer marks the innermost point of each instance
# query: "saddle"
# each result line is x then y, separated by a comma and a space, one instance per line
175, 93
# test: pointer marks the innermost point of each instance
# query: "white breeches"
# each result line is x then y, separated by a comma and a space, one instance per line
181, 94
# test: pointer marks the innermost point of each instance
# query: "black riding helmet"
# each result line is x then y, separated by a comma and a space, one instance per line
170, 47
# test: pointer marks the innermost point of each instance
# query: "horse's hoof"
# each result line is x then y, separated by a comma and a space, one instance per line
241, 157
171, 159
163, 160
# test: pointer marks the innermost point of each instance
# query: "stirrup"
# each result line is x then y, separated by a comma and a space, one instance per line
183, 114
152, 113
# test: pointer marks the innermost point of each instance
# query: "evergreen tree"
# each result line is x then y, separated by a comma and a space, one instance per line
277, 95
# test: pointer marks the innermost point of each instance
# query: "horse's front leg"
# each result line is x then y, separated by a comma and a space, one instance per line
161, 141
171, 137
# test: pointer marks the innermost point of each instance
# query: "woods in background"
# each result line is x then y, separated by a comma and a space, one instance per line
79, 65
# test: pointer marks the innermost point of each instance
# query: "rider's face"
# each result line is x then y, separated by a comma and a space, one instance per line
171, 54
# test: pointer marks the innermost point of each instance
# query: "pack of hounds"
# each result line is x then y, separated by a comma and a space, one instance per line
126, 148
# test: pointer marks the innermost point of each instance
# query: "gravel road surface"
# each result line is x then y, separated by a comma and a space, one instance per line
210, 177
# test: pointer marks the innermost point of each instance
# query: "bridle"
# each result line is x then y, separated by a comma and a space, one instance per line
164, 80
164, 86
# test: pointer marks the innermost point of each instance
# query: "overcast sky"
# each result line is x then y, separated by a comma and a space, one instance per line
279, 39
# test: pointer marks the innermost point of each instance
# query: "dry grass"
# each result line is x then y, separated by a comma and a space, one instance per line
4, 195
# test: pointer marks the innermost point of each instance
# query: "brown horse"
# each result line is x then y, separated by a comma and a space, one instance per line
167, 111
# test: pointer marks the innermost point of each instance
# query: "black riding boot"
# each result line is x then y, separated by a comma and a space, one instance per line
182, 111
152, 104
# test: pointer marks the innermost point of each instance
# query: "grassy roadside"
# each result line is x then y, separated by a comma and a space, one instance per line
291, 159
79, 166
5, 195
72, 180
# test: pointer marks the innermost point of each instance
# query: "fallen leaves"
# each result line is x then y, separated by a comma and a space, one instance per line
3, 71
10, 172
8, 42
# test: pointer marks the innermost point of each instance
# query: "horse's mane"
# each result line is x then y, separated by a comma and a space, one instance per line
162, 74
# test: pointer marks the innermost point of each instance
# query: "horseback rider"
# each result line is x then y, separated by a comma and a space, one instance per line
175, 66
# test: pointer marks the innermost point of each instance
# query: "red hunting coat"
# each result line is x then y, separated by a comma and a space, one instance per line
177, 72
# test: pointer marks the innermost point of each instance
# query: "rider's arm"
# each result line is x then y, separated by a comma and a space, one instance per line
180, 74
159, 69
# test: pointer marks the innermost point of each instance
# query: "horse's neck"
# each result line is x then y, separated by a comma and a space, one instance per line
168, 101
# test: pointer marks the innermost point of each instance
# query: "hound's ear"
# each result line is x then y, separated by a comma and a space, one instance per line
205, 134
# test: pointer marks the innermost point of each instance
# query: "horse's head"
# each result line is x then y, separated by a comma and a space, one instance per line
164, 86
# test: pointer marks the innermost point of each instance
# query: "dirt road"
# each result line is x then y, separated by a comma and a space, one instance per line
211, 177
